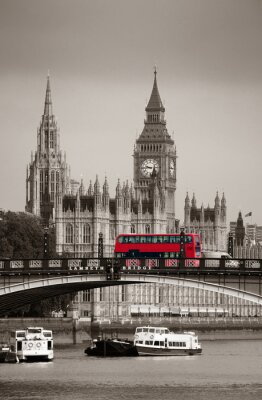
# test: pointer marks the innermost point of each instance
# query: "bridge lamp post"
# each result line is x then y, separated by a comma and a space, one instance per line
46, 242
100, 245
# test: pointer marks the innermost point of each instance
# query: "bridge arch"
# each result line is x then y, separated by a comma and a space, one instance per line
31, 291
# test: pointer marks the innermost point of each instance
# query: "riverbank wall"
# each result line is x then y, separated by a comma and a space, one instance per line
205, 328
65, 330
69, 330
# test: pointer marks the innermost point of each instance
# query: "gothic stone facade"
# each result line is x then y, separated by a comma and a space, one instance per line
211, 223
146, 206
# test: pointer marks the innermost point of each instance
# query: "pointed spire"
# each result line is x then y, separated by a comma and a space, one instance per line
48, 101
82, 188
194, 201
155, 102
118, 189
187, 201
97, 186
217, 200
106, 187
90, 189
223, 201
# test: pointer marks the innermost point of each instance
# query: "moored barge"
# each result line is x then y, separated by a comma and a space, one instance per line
111, 348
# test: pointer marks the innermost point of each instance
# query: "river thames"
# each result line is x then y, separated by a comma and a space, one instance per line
227, 369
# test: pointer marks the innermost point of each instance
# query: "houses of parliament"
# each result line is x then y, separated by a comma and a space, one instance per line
146, 205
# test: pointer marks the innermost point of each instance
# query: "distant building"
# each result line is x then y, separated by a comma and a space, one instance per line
259, 235
211, 223
232, 228
247, 239
240, 231
251, 233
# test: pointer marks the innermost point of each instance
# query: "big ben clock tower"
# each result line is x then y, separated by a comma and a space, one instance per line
155, 156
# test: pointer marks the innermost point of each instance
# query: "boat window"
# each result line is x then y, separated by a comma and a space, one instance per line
47, 334
145, 330
156, 343
166, 331
139, 329
157, 330
161, 343
152, 330
149, 342
34, 330
184, 344
20, 334
140, 341
170, 344
162, 331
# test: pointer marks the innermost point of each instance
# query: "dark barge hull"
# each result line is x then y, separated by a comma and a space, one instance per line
8, 356
112, 348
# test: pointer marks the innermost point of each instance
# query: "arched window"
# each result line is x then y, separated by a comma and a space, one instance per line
133, 228
112, 232
86, 233
51, 140
41, 185
57, 182
46, 139
52, 185
147, 229
69, 233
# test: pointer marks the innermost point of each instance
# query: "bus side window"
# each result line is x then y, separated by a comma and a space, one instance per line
143, 239
188, 239
148, 239
174, 239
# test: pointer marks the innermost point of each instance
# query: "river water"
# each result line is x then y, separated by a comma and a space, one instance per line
227, 369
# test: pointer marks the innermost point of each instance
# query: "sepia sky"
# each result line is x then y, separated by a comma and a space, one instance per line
101, 55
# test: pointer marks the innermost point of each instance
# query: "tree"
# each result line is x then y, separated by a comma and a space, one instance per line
22, 236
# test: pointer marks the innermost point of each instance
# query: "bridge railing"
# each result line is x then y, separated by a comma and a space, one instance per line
115, 266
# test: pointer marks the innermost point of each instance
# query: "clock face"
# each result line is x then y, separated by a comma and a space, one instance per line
148, 166
172, 168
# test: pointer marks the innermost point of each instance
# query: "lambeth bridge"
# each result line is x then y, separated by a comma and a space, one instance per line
25, 282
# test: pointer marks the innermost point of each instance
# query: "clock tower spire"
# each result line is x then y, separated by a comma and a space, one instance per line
155, 151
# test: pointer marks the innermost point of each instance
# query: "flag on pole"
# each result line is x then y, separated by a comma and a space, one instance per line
249, 214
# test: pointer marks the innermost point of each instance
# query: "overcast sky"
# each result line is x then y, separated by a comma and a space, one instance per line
101, 55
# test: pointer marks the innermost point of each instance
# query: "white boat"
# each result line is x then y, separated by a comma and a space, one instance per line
159, 341
33, 344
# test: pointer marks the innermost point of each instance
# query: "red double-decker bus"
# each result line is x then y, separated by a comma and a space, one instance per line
172, 245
